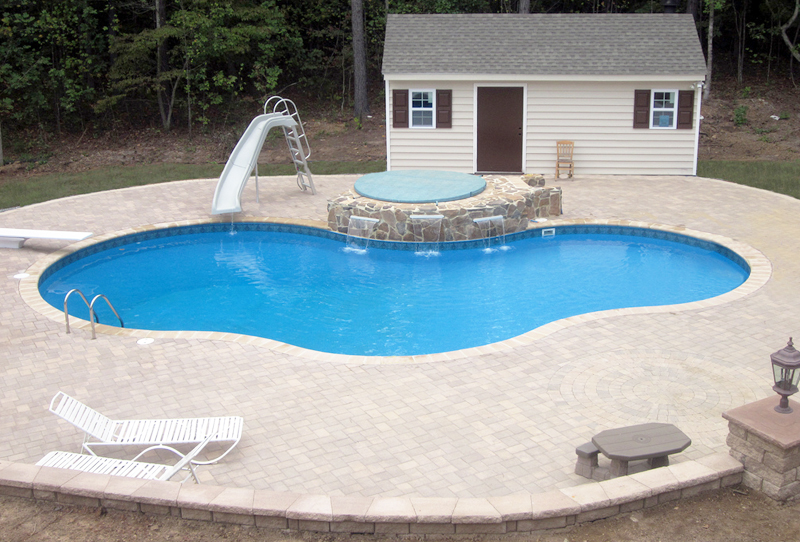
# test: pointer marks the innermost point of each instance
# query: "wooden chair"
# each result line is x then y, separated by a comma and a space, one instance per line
564, 158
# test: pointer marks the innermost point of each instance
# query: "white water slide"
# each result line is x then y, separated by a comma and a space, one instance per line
243, 160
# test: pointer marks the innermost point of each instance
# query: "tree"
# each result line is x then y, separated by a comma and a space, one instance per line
712, 6
692, 7
740, 22
524, 6
361, 105
166, 97
790, 43
205, 53
140, 70
52, 61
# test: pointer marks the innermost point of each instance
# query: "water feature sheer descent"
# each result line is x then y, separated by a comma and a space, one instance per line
359, 226
428, 231
492, 227
308, 291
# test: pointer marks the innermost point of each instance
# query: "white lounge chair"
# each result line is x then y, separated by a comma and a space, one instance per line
107, 432
14, 238
131, 468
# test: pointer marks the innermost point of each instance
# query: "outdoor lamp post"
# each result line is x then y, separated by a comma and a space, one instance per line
786, 371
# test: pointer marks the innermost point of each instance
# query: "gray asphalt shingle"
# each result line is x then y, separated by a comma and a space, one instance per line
543, 44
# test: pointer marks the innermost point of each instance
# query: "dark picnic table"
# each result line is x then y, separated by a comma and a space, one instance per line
652, 441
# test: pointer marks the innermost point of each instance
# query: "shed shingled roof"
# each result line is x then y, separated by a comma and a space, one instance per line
543, 44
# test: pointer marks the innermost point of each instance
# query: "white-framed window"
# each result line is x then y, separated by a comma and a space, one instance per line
663, 109
422, 108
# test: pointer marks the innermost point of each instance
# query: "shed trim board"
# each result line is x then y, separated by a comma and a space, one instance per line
388, 124
598, 116
511, 78
698, 103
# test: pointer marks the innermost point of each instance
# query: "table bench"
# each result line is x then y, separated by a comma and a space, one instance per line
654, 442
14, 238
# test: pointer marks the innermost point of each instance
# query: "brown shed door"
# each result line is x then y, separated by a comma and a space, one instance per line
499, 145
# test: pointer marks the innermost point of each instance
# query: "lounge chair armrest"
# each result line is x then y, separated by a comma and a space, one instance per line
56, 399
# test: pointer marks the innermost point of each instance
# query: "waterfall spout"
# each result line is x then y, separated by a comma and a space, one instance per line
427, 233
359, 227
493, 232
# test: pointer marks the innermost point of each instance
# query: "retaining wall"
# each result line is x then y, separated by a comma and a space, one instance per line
399, 515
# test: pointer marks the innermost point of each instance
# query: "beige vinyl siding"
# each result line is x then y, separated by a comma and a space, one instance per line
598, 117
440, 148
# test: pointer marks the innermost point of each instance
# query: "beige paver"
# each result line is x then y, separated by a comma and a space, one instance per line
473, 424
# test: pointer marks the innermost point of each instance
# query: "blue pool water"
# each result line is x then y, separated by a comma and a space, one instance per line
307, 290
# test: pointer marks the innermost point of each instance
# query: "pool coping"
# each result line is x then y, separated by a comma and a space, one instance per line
374, 515
760, 272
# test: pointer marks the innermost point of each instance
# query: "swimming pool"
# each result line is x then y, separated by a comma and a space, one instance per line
300, 286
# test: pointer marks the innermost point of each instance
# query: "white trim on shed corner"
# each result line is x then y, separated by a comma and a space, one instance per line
524, 86
388, 124
698, 104
525, 128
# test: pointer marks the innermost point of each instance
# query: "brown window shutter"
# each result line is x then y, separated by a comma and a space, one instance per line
444, 108
641, 109
685, 109
400, 108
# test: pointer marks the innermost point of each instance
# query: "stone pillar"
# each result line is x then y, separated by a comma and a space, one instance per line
768, 444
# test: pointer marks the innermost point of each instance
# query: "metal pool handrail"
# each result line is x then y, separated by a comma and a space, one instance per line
92, 315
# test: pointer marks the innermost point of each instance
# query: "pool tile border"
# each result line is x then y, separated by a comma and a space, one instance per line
745, 255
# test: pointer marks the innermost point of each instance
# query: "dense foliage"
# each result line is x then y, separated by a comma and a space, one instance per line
69, 64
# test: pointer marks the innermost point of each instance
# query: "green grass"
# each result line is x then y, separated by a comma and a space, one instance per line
25, 191
780, 177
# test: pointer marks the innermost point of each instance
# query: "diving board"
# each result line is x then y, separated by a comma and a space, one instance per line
14, 238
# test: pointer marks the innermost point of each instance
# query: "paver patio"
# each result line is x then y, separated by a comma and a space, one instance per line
493, 424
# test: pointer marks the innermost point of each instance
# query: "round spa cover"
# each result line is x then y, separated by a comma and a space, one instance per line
419, 186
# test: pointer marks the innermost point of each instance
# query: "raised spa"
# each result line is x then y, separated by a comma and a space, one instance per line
419, 186
301, 286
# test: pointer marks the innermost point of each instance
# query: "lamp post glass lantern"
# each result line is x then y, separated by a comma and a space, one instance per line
786, 372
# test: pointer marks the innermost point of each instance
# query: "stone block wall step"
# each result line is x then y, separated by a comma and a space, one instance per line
398, 515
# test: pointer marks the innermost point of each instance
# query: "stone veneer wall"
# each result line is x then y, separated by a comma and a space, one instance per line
397, 515
517, 204
768, 444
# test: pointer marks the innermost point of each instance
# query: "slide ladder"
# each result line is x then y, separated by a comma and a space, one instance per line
243, 161
296, 140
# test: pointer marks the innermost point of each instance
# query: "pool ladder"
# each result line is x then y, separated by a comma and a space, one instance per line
92, 315
295, 139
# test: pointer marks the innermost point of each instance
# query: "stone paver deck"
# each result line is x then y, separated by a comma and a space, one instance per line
492, 423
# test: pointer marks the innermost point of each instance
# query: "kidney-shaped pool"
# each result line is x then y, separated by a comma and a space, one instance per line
303, 287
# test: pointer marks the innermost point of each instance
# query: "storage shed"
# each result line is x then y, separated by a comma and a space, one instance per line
492, 93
